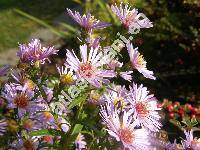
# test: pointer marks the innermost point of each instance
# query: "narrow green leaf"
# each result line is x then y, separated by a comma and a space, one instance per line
78, 1
68, 27
194, 121
87, 132
77, 101
45, 132
77, 129
106, 7
176, 123
41, 22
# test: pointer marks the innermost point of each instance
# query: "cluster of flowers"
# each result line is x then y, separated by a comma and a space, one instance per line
130, 116
188, 143
176, 110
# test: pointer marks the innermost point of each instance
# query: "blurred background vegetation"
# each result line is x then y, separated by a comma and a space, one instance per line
171, 47
15, 28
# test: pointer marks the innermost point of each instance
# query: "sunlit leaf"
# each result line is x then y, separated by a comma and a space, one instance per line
44, 132
77, 129
77, 101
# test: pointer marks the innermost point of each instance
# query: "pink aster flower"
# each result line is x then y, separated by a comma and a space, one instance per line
144, 107
3, 126
80, 142
122, 128
90, 67
22, 100
116, 96
93, 42
4, 70
114, 64
95, 98
34, 52
87, 21
126, 75
190, 142
138, 62
172, 146
130, 18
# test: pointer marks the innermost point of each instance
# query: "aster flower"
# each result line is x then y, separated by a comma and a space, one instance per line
113, 64
31, 124
158, 140
46, 119
126, 75
3, 125
66, 75
95, 98
122, 128
22, 100
130, 18
172, 146
93, 42
87, 21
116, 96
33, 52
138, 62
25, 144
190, 142
49, 93
144, 107
90, 67
63, 124
4, 70
80, 142
20, 77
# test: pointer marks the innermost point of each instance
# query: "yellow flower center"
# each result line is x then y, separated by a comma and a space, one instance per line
48, 116
94, 96
141, 61
67, 78
30, 84
12, 125
119, 102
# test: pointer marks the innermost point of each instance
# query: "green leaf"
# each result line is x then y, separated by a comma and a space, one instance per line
42, 23
186, 121
78, 1
69, 27
106, 7
176, 123
77, 129
87, 132
194, 121
77, 101
45, 132
101, 132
